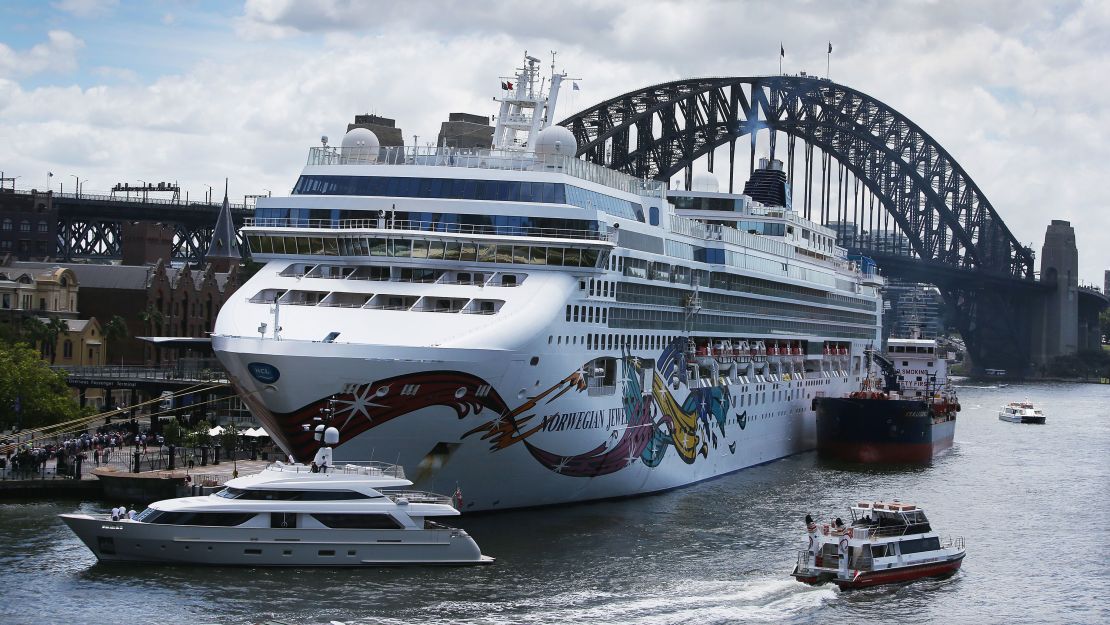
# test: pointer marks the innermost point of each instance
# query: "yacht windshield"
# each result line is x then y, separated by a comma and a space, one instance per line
290, 495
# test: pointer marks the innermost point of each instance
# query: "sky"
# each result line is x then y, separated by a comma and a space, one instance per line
194, 91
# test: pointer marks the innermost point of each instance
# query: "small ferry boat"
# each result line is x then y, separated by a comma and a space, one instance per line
906, 416
885, 543
1021, 412
291, 515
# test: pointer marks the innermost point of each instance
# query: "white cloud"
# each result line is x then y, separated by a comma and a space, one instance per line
86, 8
57, 53
1012, 90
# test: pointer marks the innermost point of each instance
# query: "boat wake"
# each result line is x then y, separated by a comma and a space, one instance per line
763, 600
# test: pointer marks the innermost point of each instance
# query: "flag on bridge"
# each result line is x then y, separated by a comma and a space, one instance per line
830, 47
782, 50
574, 86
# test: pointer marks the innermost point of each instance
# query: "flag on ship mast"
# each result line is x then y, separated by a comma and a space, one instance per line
574, 86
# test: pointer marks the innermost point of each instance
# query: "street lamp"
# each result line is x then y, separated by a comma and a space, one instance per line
208, 198
78, 179
268, 192
144, 189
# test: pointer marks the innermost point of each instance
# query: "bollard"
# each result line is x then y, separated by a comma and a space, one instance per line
138, 459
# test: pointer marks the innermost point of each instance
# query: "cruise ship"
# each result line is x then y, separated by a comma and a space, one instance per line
524, 328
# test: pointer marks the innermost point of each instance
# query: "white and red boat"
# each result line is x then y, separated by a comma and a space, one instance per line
884, 544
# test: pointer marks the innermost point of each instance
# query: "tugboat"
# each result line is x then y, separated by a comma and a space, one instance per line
905, 417
885, 543
1021, 412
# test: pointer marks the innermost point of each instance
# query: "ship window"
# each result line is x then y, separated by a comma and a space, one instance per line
358, 521
508, 280
214, 519
879, 551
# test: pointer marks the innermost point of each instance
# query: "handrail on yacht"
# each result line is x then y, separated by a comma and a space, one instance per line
438, 227
372, 468
418, 496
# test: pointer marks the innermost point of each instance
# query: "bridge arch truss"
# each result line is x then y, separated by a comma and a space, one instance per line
937, 209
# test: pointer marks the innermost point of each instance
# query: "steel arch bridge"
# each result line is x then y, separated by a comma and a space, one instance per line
660, 130
947, 232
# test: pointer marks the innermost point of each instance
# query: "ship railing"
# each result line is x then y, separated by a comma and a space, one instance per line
372, 468
477, 158
418, 496
439, 227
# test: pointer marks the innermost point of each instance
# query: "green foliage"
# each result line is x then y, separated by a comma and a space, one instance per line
229, 438
1085, 364
204, 439
52, 329
172, 433
114, 332
42, 393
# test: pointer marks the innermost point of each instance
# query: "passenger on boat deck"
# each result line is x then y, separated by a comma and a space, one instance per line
131, 514
315, 468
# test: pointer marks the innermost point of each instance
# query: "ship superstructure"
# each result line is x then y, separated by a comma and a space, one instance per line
534, 329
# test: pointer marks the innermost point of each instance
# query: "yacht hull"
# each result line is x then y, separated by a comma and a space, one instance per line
129, 541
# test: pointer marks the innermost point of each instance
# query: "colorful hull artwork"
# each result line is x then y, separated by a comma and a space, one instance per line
633, 441
656, 422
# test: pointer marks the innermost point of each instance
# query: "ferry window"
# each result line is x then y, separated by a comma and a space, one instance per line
420, 248
568, 313
538, 256
508, 280
554, 256
878, 551
653, 215
401, 248
504, 253
929, 364
589, 258
572, 257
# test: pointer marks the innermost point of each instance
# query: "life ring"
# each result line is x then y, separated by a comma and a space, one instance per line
844, 544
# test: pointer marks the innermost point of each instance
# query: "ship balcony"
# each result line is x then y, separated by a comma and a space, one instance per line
477, 158
391, 226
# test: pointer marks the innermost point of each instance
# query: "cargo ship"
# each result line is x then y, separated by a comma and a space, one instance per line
906, 415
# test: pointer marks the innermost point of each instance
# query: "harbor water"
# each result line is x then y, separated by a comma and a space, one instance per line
1031, 501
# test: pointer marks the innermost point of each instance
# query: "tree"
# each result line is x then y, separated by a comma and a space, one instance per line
114, 332
31, 393
172, 435
53, 328
229, 438
153, 318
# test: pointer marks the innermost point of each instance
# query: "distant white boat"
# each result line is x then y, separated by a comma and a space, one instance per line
1021, 412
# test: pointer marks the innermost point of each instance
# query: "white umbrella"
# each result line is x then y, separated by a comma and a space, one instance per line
216, 431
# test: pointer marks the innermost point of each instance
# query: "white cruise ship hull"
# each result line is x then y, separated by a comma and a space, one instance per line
506, 433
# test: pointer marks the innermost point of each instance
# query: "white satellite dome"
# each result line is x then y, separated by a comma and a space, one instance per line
705, 181
360, 144
556, 140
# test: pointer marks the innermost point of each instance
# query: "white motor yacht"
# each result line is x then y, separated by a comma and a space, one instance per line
356, 514
1021, 412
